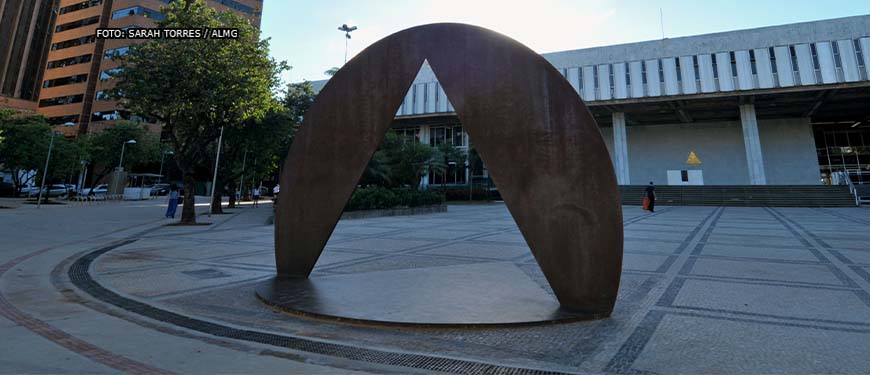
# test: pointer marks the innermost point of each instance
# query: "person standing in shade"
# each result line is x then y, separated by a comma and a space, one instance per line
173, 201
651, 194
255, 195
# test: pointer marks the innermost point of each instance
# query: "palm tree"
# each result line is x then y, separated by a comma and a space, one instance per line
450, 154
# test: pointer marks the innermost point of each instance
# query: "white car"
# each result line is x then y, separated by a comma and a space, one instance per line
97, 191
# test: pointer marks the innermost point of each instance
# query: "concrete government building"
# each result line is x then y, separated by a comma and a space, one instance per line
779, 105
77, 73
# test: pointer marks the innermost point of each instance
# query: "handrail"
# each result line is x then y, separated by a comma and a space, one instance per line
844, 179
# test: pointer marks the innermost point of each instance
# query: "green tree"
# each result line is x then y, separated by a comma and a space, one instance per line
196, 87
103, 149
253, 150
332, 71
25, 147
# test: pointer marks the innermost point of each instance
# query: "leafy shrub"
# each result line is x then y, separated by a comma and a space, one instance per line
377, 197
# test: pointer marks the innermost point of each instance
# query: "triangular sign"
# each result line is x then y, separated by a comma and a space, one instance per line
693, 159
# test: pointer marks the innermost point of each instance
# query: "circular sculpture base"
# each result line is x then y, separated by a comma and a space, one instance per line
468, 295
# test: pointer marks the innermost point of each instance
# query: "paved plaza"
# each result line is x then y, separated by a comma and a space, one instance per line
111, 288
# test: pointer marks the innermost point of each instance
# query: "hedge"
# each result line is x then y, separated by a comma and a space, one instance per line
377, 198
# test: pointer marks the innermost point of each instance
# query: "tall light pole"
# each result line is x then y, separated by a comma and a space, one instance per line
162, 156
242, 177
120, 162
47, 158
347, 30
217, 160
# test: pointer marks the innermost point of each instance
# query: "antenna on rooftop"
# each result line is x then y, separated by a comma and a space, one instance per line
662, 21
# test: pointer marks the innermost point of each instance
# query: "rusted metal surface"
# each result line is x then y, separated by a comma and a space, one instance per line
541, 145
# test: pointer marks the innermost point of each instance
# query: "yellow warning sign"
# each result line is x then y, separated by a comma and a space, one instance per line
693, 159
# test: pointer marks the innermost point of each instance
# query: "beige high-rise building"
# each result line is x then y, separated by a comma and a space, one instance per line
76, 74
25, 33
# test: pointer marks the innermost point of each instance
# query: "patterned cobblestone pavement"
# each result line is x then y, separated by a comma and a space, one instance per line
704, 289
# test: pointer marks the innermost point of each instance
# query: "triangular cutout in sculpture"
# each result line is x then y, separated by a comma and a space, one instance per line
540, 143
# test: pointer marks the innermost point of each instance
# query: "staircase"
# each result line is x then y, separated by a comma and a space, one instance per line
745, 195
863, 193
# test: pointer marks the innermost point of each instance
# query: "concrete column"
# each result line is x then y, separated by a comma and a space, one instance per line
752, 143
620, 149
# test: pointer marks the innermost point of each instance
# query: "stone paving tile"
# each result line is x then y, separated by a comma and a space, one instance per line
479, 250
382, 245
797, 253
646, 262
797, 302
682, 344
766, 270
640, 245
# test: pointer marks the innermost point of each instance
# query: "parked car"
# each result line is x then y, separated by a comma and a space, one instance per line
160, 189
54, 190
98, 191
28, 191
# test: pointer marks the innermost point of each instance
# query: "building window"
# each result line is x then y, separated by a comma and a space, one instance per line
838, 62
73, 42
137, 11
860, 56
109, 73
120, 51
815, 56
595, 75
696, 68
579, 78
61, 100
715, 67
60, 120
752, 62
772, 55
643, 72
62, 81
69, 61
661, 73
679, 70
79, 6
684, 175
627, 76
610, 82
102, 95
76, 24
733, 64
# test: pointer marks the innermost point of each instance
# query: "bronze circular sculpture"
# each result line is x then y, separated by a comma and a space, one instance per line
541, 145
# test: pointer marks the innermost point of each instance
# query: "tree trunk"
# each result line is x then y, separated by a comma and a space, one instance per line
232, 188
188, 210
216, 201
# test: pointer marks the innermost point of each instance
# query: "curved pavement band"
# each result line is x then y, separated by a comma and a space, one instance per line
538, 140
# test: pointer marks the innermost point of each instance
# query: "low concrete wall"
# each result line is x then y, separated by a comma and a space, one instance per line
365, 214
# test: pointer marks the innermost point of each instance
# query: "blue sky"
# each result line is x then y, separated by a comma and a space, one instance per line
304, 32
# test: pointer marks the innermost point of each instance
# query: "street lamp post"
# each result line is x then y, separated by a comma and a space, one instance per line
120, 162
217, 160
162, 156
347, 30
47, 158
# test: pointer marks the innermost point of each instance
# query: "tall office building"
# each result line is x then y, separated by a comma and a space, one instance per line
79, 64
25, 33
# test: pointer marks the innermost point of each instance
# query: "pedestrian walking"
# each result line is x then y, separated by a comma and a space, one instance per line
255, 195
173, 201
650, 198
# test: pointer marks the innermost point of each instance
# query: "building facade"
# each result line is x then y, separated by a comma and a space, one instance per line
25, 33
780, 105
77, 74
